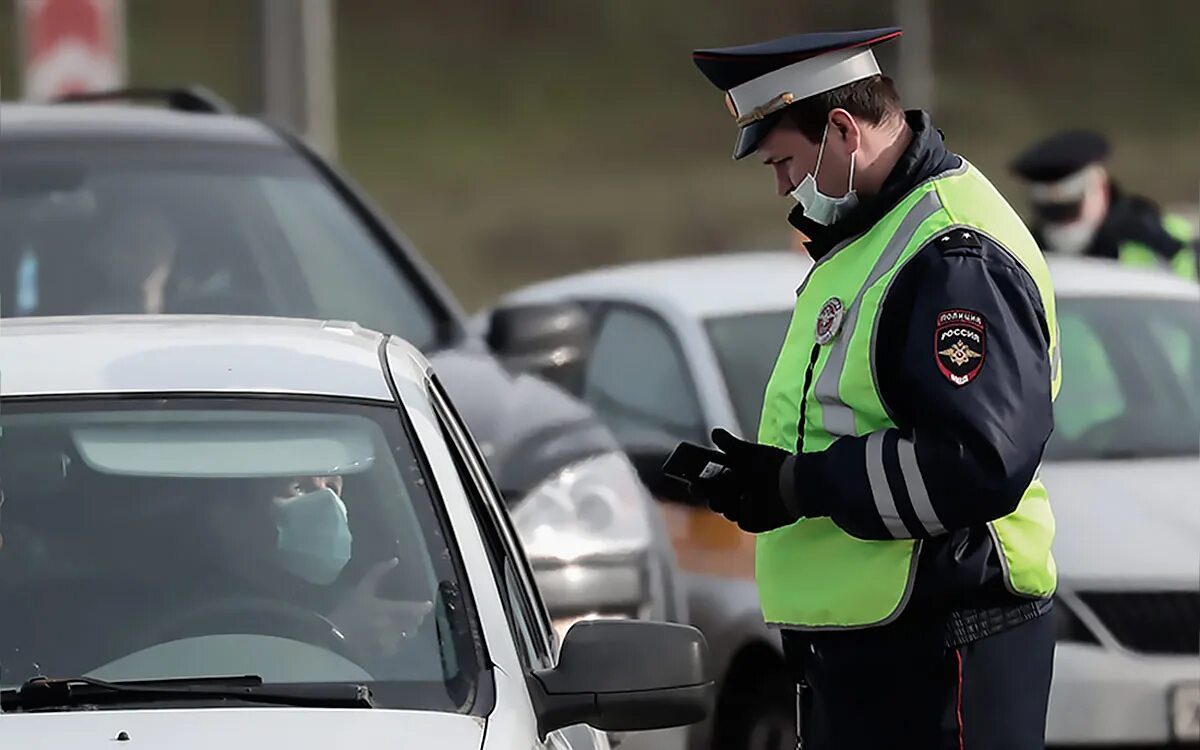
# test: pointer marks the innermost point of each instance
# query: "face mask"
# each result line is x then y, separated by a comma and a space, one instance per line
314, 536
1069, 239
821, 208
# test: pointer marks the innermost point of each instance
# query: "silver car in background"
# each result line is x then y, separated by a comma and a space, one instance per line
681, 346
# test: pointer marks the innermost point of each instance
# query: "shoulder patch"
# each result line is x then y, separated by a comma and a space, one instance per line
960, 345
958, 239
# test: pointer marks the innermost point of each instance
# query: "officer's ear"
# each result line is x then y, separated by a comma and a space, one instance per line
843, 128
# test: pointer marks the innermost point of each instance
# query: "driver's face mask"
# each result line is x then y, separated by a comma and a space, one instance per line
819, 207
314, 536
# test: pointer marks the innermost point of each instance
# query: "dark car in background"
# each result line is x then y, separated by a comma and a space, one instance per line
110, 207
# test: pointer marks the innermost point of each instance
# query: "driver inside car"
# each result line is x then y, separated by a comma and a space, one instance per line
290, 539
144, 262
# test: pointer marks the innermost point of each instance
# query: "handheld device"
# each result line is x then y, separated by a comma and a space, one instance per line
691, 463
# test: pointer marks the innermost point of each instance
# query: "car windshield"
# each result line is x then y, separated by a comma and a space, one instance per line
166, 538
192, 228
1131, 375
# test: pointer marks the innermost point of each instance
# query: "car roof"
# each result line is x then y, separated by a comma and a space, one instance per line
198, 353
123, 122
1099, 277
701, 286
746, 282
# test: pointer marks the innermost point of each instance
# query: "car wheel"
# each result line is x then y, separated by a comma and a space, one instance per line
757, 706
771, 730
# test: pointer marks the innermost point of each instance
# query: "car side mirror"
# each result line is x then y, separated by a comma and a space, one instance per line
625, 676
550, 340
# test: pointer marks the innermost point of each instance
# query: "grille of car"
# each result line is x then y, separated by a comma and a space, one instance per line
1159, 622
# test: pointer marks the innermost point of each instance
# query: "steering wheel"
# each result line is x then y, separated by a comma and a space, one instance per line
251, 614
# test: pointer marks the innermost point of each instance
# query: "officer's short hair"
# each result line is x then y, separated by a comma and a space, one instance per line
874, 100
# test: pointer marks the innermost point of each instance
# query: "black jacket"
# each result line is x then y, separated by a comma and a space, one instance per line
974, 446
1130, 218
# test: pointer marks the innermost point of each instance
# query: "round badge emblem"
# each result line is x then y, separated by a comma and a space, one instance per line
829, 320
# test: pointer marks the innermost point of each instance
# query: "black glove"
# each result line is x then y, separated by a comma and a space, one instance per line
747, 493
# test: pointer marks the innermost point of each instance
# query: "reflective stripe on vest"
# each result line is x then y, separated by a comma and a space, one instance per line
1183, 263
1186, 262
811, 574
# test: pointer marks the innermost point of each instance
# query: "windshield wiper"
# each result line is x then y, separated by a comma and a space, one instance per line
42, 693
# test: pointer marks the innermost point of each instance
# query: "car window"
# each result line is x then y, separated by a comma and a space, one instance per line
172, 538
1091, 393
638, 381
1131, 379
187, 228
528, 620
1131, 375
746, 347
1179, 344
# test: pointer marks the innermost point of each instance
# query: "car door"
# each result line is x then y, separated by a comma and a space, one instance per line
639, 382
529, 620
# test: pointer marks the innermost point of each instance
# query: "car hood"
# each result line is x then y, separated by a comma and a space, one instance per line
240, 728
527, 428
1126, 524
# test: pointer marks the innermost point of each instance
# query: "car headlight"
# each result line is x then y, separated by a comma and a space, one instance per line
593, 508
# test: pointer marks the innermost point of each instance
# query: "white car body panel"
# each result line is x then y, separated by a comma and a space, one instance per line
201, 353
1107, 510
241, 729
1122, 526
486, 594
511, 724
512, 727
1104, 696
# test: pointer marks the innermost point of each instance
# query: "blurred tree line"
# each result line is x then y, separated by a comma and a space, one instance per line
518, 139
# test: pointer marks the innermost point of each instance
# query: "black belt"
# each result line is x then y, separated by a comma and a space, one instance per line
965, 626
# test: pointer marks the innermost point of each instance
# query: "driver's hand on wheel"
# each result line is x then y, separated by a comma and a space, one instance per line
373, 624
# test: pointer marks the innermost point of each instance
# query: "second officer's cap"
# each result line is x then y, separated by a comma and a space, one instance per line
1060, 170
761, 79
1060, 155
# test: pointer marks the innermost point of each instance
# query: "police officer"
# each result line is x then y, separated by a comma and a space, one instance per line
903, 535
1080, 210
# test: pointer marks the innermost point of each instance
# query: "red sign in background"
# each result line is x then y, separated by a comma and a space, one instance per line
71, 46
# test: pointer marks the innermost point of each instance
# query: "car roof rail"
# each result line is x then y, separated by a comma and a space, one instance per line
185, 99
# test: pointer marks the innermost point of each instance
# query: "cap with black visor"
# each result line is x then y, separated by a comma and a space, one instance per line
761, 80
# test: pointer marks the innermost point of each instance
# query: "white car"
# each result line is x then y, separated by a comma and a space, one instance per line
682, 346
238, 532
